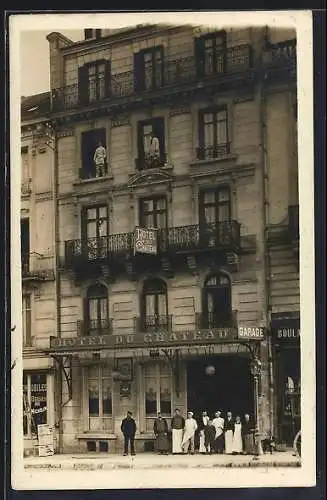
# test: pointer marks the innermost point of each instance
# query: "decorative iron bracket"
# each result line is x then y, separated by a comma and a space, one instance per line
65, 364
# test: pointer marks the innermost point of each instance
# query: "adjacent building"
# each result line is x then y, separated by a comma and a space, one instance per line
175, 228
38, 265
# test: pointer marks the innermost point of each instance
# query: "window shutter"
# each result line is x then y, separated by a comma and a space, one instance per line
161, 48
200, 152
199, 56
159, 131
107, 79
83, 90
140, 145
138, 72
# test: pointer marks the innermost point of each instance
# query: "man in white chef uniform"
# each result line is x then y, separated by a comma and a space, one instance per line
189, 433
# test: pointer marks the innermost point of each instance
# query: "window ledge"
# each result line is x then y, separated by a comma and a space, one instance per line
211, 161
93, 179
96, 435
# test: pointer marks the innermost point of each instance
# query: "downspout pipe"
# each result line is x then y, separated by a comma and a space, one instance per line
265, 222
57, 278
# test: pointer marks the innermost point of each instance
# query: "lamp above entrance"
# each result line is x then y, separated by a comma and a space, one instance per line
210, 370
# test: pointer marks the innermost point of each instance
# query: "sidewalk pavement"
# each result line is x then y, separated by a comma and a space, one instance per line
105, 461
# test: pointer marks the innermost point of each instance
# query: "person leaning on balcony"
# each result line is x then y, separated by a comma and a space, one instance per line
177, 427
99, 159
152, 147
128, 428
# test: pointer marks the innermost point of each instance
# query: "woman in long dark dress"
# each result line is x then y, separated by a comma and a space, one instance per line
248, 435
160, 428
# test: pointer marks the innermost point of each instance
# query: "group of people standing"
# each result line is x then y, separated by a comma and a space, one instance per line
217, 435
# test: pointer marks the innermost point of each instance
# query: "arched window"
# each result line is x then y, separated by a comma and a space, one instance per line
154, 305
217, 302
96, 314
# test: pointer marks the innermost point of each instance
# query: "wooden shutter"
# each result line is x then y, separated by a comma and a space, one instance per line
107, 78
140, 144
159, 131
138, 72
200, 153
83, 85
199, 56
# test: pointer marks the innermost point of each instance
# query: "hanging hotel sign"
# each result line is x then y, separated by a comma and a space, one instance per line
159, 339
285, 327
145, 241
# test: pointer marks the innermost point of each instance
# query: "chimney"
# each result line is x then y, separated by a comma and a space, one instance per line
91, 34
56, 42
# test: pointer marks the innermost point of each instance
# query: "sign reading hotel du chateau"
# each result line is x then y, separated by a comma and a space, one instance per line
160, 339
145, 241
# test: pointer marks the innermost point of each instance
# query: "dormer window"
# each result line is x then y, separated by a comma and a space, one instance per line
90, 33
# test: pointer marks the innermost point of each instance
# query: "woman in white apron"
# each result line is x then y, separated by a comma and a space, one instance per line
229, 433
237, 436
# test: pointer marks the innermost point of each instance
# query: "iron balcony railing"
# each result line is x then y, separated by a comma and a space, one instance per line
147, 162
94, 327
174, 71
154, 323
293, 222
211, 320
219, 235
212, 152
279, 55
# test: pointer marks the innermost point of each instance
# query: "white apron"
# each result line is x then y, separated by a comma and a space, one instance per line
229, 441
237, 446
177, 437
189, 430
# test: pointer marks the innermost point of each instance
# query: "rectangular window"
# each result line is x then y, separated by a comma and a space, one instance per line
214, 216
27, 327
213, 134
99, 388
94, 82
153, 212
148, 69
94, 154
151, 144
34, 402
157, 385
95, 230
211, 54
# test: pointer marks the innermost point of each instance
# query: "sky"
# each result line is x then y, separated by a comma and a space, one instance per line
34, 59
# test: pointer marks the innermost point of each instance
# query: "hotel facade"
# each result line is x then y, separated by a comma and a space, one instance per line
174, 231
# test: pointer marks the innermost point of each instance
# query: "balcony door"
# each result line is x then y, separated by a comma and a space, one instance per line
154, 305
95, 231
214, 216
211, 54
97, 322
217, 302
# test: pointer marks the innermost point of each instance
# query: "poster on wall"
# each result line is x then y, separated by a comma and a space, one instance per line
45, 440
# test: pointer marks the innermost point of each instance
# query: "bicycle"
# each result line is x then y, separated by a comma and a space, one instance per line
297, 444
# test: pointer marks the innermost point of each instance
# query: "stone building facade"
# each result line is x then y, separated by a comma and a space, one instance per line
38, 266
175, 165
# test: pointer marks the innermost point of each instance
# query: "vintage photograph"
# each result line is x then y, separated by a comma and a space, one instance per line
160, 318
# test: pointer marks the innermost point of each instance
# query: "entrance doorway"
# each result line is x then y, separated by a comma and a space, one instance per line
229, 388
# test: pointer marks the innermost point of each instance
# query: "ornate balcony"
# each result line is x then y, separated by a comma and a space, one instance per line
153, 324
279, 60
176, 72
37, 268
149, 162
210, 320
213, 152
94, 327
176, 246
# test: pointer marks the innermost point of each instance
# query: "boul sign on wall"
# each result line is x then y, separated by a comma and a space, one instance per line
145, 241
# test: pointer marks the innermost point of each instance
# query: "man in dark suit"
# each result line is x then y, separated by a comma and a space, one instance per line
128, 428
